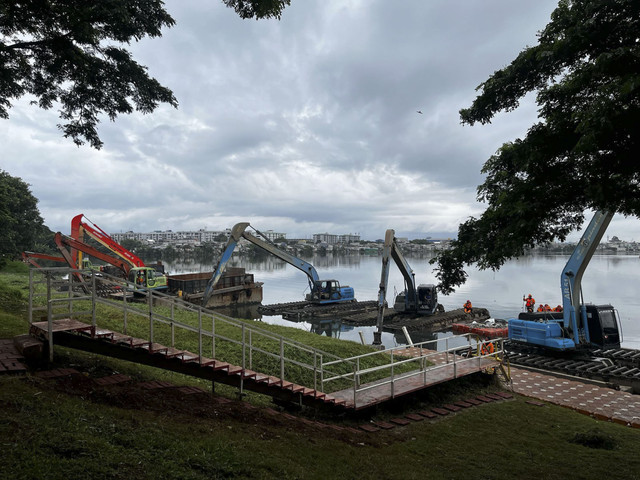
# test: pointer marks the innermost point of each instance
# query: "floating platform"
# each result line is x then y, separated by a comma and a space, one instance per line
485, 331
236, 287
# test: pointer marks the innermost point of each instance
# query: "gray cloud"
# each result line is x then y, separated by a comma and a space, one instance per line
303, 125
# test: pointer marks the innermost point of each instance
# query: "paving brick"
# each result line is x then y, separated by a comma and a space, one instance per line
112, 379
369, 428
452, 408
414, 416
384, 425
441, 411
463, 404
506, 395
484, 399
473, 401
400, 421
428, 414
600, 416
493, 396
536, 404
620, 421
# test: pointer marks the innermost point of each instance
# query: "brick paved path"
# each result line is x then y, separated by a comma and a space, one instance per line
600, 402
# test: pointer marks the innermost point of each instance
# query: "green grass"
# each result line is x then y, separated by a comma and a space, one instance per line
48, 432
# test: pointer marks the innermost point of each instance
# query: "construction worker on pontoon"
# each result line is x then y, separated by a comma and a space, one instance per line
530, 302
540, 308
467, 306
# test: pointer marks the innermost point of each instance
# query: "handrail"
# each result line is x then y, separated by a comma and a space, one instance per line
323, 369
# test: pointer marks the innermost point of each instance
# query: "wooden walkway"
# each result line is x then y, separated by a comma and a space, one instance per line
443, 370
446, 367
78, 335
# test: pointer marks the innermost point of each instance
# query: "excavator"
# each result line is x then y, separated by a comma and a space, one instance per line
420, 300
144, 278
579, 325
321, 291
81, 225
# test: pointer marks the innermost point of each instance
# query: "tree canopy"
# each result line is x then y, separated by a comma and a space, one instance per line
582, 154
72, 54
21, 226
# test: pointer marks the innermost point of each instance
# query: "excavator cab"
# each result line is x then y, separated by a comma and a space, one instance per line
147, 277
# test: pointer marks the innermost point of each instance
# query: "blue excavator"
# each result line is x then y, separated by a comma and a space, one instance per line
417, 299
579, 325
321, 291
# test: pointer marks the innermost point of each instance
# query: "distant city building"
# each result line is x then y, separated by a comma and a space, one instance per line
271, 235
331, 239
169, 236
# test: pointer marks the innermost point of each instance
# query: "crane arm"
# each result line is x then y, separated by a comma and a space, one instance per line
574, 312
238, 232
79, 226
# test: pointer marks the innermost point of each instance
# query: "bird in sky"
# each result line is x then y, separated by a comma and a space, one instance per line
419, 111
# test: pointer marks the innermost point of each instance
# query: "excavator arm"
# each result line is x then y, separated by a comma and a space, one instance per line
29, 257
80, 226
238, 232
574, 311
391, 250
65, 244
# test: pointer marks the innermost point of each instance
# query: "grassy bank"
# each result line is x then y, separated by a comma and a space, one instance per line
58, 430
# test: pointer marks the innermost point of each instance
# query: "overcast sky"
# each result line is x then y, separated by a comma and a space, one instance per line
305, 125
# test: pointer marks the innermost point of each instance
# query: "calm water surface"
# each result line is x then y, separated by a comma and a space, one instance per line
608, 280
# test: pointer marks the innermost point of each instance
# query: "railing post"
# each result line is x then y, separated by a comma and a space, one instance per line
356, 381
250, 350
321, 373
213, 336
392, 376
173, 326
200, 336
124, 307
282, 359
31, 287
446, 349
93, 303
150, 302
49, 318
455, 367
315, 370
244, 353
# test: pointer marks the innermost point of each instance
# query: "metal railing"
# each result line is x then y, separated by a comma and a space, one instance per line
57, 293
419, 363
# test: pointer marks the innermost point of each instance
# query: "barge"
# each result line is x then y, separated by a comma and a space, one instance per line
236, 287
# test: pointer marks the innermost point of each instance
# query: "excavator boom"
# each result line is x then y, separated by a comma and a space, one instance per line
65, 242
322, 291
80, 226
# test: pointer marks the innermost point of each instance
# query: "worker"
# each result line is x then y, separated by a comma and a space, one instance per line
487, 347
140, 278
547, 308
558, 308
540, 308
467, 306
530, 302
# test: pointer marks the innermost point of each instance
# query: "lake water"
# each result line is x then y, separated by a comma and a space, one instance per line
609, 279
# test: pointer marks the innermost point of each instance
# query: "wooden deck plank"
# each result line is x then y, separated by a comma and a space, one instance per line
379, 392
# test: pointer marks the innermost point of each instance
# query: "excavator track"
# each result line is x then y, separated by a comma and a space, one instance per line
616, 368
